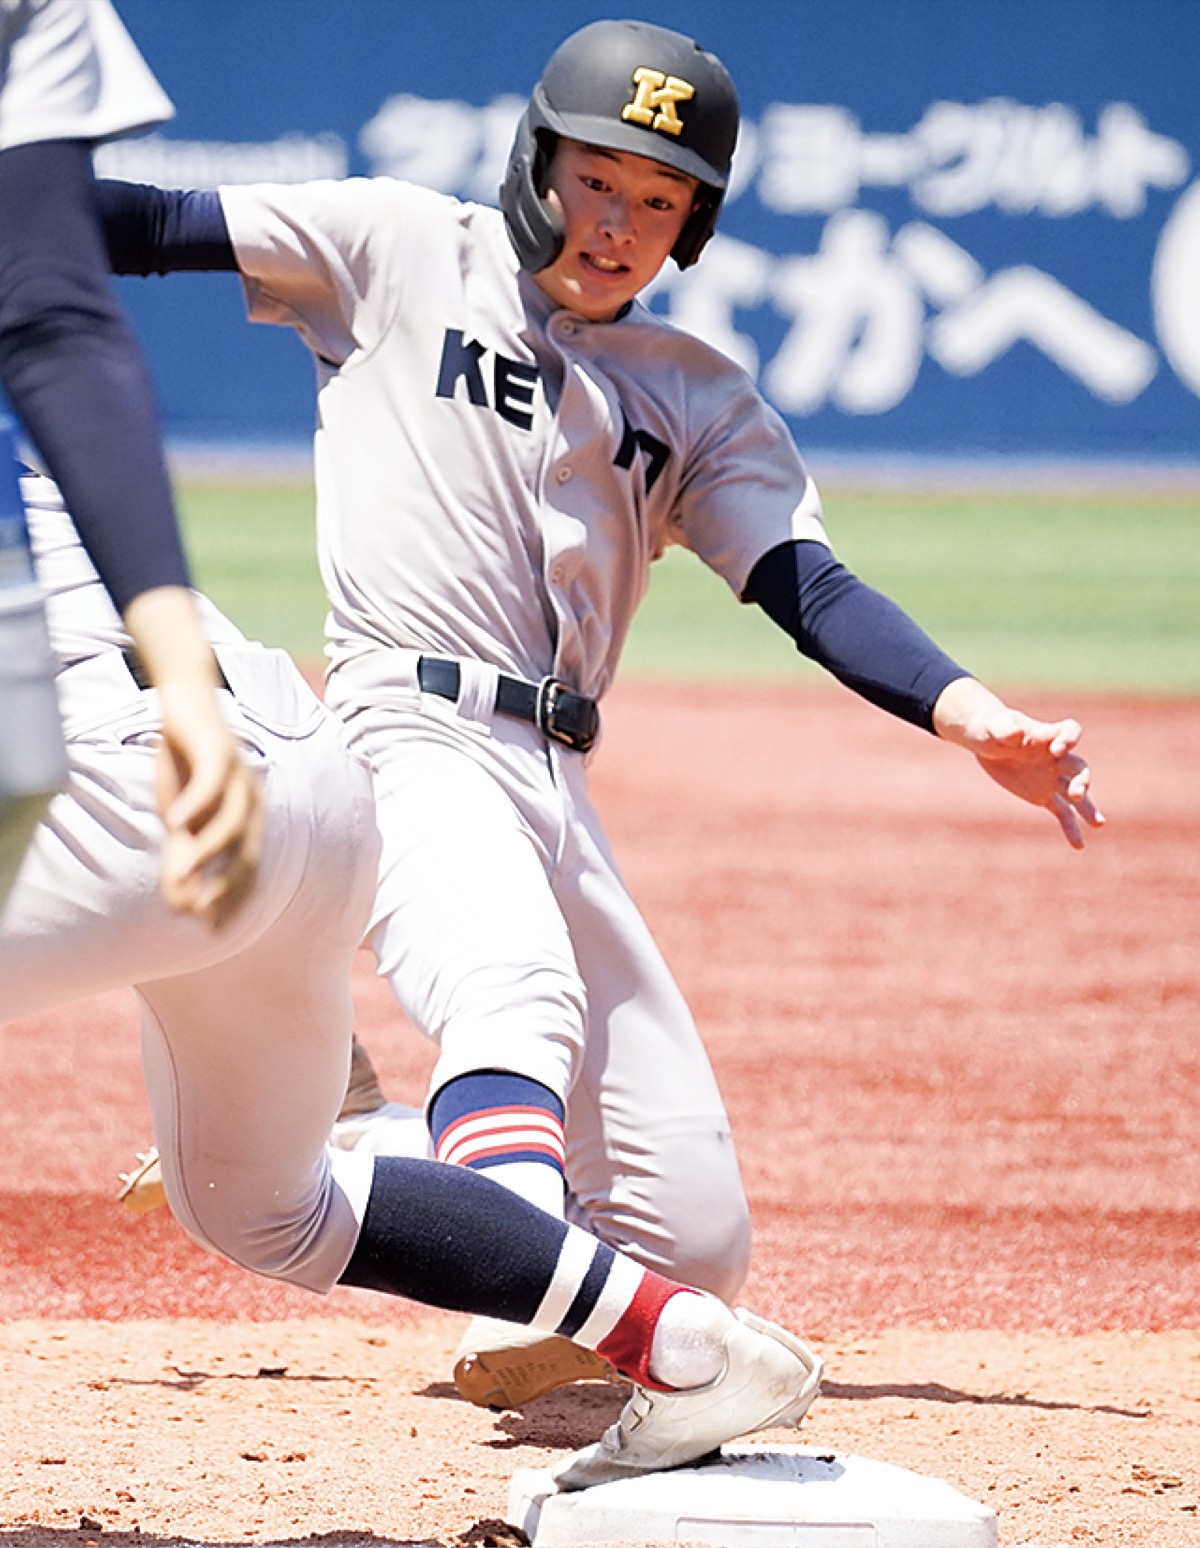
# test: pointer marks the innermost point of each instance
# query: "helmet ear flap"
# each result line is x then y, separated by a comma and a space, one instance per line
698, 227
533, 227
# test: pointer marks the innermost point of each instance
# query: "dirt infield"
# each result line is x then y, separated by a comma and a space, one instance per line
963, 1071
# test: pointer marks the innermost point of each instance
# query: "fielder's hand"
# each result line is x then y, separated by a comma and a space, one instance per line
209, 799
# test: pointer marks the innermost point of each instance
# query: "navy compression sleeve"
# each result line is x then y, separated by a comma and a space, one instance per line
163, 230
74, 372
853, 631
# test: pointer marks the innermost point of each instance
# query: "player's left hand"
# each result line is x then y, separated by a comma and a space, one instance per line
1035, 760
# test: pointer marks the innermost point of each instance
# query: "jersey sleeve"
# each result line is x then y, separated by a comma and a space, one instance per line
70, 71
327, 258
745, 488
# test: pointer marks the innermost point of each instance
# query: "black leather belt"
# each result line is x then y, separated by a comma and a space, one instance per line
558, 712
137, 670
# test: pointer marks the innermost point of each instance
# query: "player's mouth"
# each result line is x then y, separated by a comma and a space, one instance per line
604, 265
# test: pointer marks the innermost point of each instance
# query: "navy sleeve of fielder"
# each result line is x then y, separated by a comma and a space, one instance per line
163, 230
852, 630
74, 371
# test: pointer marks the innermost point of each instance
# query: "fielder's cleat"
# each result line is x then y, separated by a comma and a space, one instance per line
770, 1379
506, 1365
142, 1187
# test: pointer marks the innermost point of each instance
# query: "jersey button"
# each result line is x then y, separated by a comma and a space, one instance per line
562, 474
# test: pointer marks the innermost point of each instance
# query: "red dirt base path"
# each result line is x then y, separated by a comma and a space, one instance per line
962, 1067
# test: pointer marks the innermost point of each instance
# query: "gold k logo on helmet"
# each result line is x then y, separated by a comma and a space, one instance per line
655, 100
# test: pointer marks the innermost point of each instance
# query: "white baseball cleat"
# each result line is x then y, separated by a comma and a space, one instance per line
506, 1365
770, 1379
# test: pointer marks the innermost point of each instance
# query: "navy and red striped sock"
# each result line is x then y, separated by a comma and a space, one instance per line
508, 1126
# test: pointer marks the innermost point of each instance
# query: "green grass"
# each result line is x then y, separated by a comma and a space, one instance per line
253, 549
1025, 587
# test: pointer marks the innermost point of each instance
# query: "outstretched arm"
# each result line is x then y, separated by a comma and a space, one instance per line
76, 377
872, 646
209, 799
852, 630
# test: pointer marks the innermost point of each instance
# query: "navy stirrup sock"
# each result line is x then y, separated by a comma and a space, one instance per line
446, 1237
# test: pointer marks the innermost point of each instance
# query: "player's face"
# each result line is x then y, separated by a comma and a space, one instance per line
622, 215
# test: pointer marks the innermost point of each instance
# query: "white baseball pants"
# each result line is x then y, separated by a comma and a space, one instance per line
508, 936
246, 1032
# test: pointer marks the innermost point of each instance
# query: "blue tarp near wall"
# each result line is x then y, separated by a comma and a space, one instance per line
958, 227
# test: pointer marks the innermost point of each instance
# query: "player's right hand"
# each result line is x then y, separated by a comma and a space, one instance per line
212, 813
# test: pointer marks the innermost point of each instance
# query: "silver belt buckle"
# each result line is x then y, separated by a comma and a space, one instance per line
566, 717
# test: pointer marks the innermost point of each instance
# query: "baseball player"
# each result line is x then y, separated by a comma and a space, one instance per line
246, 1038
506, 441
70, 78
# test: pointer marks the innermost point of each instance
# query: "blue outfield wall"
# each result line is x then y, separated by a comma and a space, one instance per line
958, 227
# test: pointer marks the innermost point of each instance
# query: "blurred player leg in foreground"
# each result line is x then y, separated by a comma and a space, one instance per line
367, 1121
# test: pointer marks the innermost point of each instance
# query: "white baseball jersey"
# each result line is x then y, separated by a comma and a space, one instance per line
70, 71
494, 475
246, 1031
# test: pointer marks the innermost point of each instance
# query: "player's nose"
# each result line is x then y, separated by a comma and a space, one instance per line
616, 219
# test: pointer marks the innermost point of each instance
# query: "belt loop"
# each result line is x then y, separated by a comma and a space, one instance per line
477, 684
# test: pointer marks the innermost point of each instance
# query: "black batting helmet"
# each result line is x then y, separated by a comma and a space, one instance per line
626, 86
